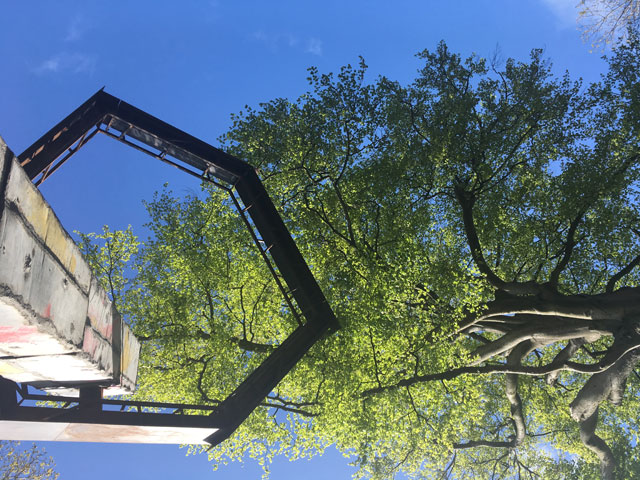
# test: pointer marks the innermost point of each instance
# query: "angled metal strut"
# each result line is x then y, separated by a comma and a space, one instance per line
106, 114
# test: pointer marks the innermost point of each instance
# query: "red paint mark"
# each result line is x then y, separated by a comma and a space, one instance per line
101, 319
89, 341
47, 311
22, 334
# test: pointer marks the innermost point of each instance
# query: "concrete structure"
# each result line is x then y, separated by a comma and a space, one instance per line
58, 328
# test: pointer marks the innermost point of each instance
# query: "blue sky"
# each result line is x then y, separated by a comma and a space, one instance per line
192, 64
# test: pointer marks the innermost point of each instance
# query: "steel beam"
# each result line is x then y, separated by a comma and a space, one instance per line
110, 114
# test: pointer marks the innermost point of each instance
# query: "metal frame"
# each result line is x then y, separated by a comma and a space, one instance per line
19, 404
106, 114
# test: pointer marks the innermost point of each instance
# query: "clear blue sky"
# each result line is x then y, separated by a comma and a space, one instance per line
192, 64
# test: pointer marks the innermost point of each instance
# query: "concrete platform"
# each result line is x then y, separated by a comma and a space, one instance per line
104, 433
58, 328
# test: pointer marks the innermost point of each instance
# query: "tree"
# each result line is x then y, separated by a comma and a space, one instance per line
477, 235
605, 21
28, 464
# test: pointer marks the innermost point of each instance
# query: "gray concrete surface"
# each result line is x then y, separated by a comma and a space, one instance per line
58, 328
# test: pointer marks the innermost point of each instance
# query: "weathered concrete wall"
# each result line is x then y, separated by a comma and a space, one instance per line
58, 328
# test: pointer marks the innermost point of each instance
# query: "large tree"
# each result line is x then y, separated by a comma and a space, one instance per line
477, 234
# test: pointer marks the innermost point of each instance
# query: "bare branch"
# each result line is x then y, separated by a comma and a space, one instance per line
564, 355
625, 271
483, 443
596, 368
609, 307
540, 333
602, 21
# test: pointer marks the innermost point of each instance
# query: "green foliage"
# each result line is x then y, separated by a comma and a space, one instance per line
373, 180
108, 254
25, 464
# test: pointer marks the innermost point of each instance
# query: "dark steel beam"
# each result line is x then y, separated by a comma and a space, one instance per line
110, 114
39, 156
284, 251
244, 399
91, 409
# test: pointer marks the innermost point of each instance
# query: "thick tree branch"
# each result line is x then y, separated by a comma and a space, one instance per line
467, 201
598, 446
483, 443
625, 271
564, 355
511, 390
569, 245
611, 308
622, 357
542, 334
597, 368
625, 355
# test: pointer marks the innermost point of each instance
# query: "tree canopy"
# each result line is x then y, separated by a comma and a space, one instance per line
606, 21
25, 464
477, 234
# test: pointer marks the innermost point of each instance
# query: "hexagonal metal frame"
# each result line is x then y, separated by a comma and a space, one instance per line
104, 113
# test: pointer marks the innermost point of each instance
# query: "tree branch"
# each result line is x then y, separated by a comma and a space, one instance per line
623, 356
290, 406
564, 355
540, 333
611, 308
249, 346
597, 368
568, 250
467, 201
511, 390
483, 443
625, 271
598, 446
